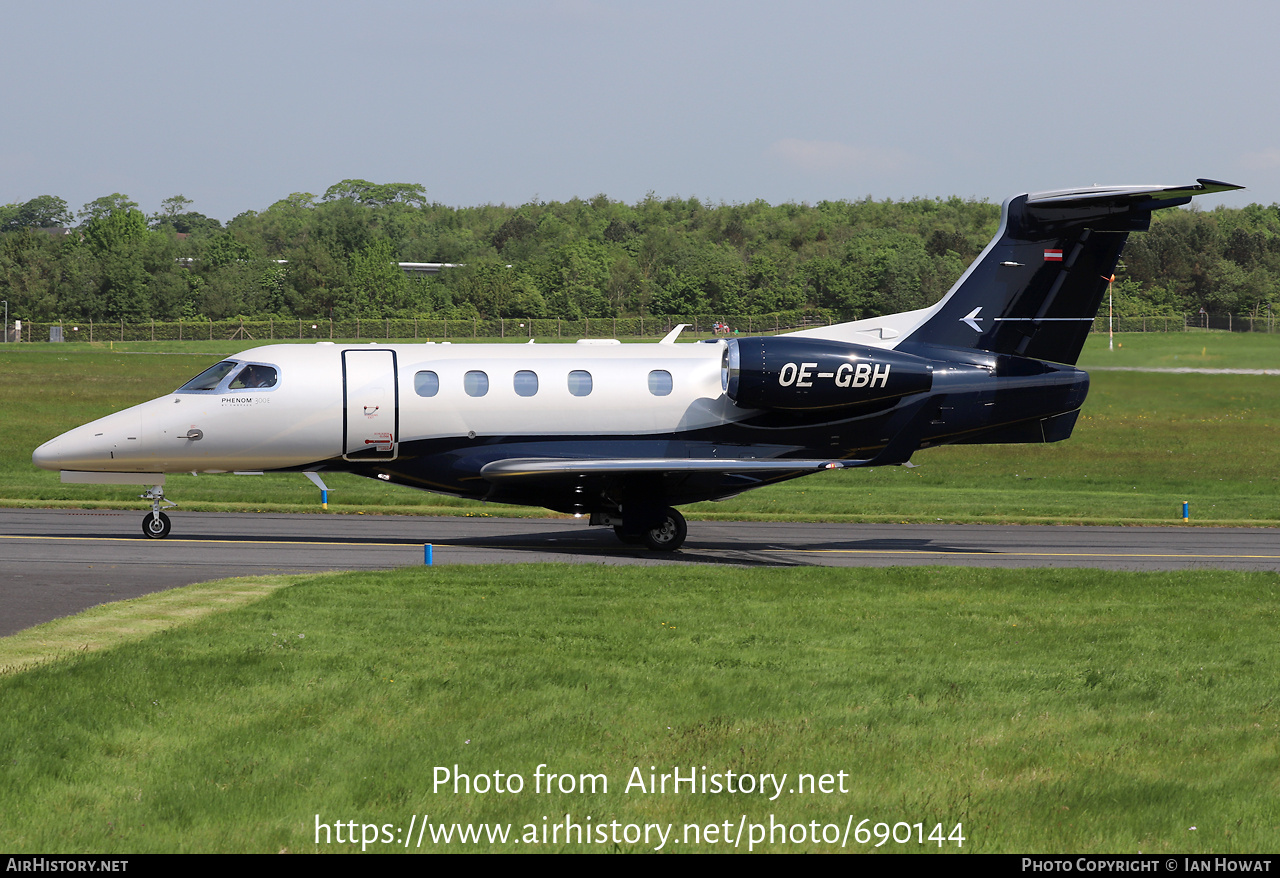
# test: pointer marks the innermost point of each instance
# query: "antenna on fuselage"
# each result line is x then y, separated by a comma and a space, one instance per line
670, 337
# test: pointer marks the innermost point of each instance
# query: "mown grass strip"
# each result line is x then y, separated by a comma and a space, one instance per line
112, 624
1047, 711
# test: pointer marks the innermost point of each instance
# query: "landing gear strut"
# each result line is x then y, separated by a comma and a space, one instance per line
155, 524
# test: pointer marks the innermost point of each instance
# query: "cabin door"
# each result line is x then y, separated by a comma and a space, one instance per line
371, 405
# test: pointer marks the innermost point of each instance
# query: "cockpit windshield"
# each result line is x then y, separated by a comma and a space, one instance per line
230, 375
209, 378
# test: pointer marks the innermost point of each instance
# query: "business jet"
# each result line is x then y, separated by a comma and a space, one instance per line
625, 433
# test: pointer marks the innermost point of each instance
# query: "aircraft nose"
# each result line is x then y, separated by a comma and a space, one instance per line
48, 455
105, 445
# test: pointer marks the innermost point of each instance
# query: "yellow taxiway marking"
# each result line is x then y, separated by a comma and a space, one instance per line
1009, 552
205, 542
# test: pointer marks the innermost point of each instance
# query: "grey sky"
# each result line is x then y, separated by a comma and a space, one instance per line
236, 105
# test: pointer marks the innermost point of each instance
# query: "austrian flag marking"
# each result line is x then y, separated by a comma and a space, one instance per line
1053, 256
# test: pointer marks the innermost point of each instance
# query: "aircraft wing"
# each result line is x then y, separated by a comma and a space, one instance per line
558, 482
897, 450
538, 468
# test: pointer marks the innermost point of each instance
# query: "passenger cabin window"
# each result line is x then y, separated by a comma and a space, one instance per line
660, 382
475, 383
209, 378
526, 383
580, 382
254, 377
426, 383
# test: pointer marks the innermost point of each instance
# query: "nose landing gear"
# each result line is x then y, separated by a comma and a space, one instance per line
156, 525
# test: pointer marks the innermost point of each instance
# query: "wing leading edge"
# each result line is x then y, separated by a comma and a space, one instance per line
539, 468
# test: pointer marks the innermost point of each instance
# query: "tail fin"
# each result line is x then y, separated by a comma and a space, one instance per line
1035, 290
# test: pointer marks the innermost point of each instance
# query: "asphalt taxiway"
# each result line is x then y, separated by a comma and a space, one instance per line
55, 562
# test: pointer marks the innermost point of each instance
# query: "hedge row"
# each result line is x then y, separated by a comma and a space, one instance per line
410, 328
598, 327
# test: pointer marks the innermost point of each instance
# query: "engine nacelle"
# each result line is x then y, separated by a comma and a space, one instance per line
807, 374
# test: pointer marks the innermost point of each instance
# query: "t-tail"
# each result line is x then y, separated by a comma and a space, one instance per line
1036, 289
994, 360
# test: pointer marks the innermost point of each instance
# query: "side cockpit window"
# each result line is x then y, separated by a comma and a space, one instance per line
254, 376
209, 379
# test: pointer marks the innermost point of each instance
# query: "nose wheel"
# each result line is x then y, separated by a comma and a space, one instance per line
155, 524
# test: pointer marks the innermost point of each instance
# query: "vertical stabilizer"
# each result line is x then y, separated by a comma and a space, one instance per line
1036, 289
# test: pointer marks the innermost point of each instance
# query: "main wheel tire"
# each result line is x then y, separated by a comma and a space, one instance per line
668, 536
629, 539
156, 529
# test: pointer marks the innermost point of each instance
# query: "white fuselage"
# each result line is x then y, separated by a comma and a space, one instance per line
351, 400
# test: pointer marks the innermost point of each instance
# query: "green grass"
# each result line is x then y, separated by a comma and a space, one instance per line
1203, 349
1144, 444
1200, 348
111, 624
1046, 711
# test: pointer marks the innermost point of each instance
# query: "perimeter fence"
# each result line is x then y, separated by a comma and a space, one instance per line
517, 327
1189, 323
415, 328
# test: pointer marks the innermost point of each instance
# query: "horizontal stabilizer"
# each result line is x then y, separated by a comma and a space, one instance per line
1129, 196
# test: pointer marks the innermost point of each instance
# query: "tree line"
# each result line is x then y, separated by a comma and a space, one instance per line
335, 255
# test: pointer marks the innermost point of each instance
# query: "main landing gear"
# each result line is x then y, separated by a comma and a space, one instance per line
665, 531
669, 535
156, 524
